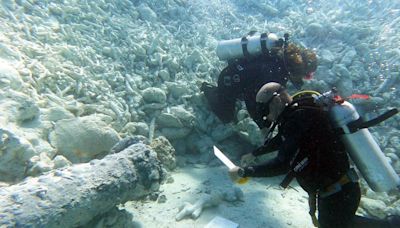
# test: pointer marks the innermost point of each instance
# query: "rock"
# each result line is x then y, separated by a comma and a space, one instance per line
153, 196
203, 68
242, 114
177, 90
173, 65
394, 207
165, 152
315, 29
363, 49
15, 153
193, 58
164, 75
186, 117
141, 128
153, 107
374, 207
9, 53
146, 13
170, 180
18, 107
222, 132
129, 129
201, 144
40, 145
57, 113
249, 131
83, 139
162, 199
390, 150
39, 164
380, 196
345, 83
60, 162
154, 95
27, 111
270, 10
168, 120
345, 87
326, 57
393, 157
233, 194
9, 77
127, 142
348, 57
341, 71
175, 133
395, 141
138, 50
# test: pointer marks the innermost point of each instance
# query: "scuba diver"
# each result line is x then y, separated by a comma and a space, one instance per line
311, 150
252, 62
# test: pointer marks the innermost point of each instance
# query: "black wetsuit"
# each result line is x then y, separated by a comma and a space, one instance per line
242, 79
310, 151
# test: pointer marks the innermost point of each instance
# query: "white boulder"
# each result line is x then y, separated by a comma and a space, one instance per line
9, 77
15, 153
83, 139
146, 13
154, 95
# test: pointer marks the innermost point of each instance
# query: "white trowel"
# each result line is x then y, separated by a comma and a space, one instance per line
228, 163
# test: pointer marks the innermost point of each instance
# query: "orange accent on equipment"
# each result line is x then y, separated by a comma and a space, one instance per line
358, 96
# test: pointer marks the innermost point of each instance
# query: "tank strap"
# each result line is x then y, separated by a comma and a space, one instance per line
360, 123
350, 176
378, 119
244, 43
312, 204
287, 179
263, 41
292, 172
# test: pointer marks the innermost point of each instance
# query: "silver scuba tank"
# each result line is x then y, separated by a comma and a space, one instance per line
247, 46
361, 146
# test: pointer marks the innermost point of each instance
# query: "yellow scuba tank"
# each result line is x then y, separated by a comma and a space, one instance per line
361, 146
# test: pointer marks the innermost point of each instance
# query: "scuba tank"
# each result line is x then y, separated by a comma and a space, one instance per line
251, 45
361, 146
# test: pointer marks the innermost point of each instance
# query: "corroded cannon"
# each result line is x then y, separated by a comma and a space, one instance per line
72, 196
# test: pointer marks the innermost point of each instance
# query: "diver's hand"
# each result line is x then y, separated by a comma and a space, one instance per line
233, 174
247, 159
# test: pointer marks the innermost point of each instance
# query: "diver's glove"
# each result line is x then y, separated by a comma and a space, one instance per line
237, 175
205, 86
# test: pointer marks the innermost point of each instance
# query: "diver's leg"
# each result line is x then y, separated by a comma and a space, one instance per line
338, 210
363, 222
220, 103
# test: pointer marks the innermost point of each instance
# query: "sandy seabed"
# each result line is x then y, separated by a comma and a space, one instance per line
265, 203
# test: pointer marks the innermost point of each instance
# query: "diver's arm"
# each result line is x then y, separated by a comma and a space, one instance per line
269, 146
276, 166
293, 131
